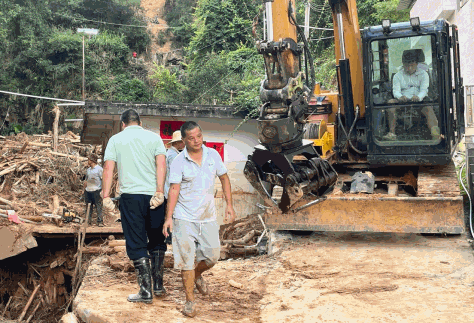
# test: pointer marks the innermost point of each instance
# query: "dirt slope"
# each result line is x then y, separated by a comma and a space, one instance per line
153, 9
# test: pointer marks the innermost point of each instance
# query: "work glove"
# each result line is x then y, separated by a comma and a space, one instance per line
157, 200
108, 204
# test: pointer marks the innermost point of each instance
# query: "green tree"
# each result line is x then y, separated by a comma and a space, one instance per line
222, 25
179, 16
42, 53
388, 10
167, 86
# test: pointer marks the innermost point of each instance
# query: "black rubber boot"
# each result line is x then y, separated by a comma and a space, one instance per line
157, 264
98, 206
143, 271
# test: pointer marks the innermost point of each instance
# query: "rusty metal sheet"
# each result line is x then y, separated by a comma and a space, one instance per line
371, 214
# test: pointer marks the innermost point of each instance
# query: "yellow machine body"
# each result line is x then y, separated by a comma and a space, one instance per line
438, 210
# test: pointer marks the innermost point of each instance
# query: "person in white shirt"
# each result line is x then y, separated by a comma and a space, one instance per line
93, 187
191, 212
411, 85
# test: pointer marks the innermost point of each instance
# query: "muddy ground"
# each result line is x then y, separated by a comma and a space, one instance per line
320, 277
312, 277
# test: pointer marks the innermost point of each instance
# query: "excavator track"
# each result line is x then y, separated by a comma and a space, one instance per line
438, 181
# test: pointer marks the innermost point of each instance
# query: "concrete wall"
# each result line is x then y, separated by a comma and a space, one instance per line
463, 17
238, 145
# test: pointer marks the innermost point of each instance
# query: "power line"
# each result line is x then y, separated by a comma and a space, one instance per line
41, 97
317, 28
115, 24
321, 38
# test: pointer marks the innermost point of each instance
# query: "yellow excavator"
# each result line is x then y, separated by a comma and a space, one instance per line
377, 155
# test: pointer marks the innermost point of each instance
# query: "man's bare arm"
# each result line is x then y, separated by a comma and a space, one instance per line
160, 161
107, 177
226, 188
173, 195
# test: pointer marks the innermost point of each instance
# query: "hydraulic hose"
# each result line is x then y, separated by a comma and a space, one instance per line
470, 201
350, 130
306, 47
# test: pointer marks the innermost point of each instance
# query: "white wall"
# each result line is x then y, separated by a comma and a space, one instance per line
433, 9
463, 18
236, 148
238, 145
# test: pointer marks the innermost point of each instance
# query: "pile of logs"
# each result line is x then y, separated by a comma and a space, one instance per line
240, 238
42, 291
37, 176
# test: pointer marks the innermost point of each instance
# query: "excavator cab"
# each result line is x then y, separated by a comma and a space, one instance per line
404, 128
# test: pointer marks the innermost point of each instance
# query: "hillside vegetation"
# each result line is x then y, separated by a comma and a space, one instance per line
212, 43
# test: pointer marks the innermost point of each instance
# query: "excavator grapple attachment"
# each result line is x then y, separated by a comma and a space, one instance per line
306, 178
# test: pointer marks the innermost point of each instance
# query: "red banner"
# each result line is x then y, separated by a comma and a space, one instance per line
219, 146
168, 127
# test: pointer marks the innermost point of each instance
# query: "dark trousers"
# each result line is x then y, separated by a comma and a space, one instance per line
95, 199
142, 226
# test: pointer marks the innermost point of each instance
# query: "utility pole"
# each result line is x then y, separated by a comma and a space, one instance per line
307, 10
89, 32
83, 69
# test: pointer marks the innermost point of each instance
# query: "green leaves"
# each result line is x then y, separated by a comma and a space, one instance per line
222, 25
388, 10
167, 87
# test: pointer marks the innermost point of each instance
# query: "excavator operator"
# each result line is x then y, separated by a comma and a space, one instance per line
411, 85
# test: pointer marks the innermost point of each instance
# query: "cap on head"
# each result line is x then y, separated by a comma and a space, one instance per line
410, 56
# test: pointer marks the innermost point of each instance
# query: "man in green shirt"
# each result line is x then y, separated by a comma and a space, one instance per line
140, 158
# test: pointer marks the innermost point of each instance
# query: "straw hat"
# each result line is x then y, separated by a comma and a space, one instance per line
176, 137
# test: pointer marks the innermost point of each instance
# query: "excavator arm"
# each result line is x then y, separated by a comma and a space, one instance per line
283, 158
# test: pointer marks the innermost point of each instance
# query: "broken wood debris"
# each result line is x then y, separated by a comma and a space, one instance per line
23, 313
31, 172
240, 238
117, 255
42, 290
235, 284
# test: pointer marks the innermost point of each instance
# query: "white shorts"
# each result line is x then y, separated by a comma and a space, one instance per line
195, 242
